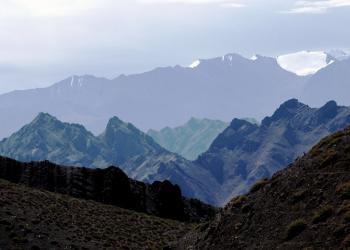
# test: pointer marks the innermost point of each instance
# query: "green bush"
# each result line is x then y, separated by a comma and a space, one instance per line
323, 214
295, 228
258, 185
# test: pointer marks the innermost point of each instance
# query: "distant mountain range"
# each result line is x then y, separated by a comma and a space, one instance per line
217, 88
305, 206
242, 154
191, 139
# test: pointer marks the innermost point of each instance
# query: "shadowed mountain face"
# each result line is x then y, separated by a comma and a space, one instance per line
245, 153
109, 186
306, 206
191, 139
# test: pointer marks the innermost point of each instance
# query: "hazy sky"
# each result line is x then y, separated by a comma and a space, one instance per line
43, 41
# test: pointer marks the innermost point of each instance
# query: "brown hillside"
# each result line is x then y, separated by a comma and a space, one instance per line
34, 219
306, 206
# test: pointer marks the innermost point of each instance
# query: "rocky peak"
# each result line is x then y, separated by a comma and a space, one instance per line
328, 111
286, 111
237, 124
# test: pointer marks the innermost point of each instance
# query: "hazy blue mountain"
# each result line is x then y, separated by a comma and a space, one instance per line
244, 152
330, 83
47, 138
218, 88
124, 141
121, 144
191, 139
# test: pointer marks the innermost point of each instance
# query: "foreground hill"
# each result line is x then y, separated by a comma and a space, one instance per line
306, 206
244, 152
191, 139
109, 186
36, 219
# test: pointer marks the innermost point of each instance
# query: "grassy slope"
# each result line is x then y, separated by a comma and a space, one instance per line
35, 219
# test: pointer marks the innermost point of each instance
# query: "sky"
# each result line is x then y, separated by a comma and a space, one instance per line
42, 42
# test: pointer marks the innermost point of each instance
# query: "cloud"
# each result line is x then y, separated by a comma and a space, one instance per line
222, 3
317, 7
43, 8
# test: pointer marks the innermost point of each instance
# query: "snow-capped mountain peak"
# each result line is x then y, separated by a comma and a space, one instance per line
304, 62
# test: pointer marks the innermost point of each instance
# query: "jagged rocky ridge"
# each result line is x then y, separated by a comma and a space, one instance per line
109, 186
239, 156
122, 144
245, 152
305, 206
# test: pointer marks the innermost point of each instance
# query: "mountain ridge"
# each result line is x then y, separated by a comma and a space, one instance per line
245, 153
109, 186
122, 144
238, 157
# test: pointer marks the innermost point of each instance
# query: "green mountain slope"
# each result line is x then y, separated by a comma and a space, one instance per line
191, 139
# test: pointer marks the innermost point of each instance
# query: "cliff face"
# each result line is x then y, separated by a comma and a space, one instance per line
109, 186
305, 206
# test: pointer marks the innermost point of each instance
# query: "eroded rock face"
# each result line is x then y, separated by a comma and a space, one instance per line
109, 186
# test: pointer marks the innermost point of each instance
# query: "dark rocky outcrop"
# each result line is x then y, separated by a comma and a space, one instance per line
305, 206
245, 152
109, 186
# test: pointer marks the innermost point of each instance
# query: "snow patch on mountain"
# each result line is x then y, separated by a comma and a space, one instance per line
195, 64
254, 58
304, 63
